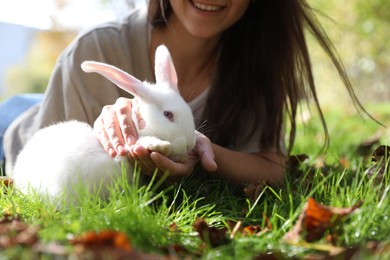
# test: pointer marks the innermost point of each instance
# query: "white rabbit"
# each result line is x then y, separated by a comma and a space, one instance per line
59, 157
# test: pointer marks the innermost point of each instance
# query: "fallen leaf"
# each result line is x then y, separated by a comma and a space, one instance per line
210, 235
267, 221
381, 152
294, 162
251, 230
344, 162
173, 227
379, 247
7, 182
257, 230
253, 190
106, 244
302, 175
315, 219
14, 232
104, 238
175, 250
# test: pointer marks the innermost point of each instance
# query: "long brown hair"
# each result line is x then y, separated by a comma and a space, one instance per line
263, 71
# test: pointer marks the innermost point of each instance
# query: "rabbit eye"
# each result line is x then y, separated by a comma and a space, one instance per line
169, 115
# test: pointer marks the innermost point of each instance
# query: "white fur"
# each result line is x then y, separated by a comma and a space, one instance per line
59, 157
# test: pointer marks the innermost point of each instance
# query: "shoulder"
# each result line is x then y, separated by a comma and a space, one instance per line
112, 40
133, 27
123, 43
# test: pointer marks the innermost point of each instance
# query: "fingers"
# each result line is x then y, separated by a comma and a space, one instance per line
175, 168
115, 128
102, 136
205, 151
202, 152
123, 113
113, 131
141, 155
150, 161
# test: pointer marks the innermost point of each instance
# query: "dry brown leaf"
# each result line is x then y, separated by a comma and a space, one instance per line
251, 230
176, 250
7, 182
345, 164
267, 221
294, 161
210, 235
104, 238
14, 232
315, 220
253, 190
173, 227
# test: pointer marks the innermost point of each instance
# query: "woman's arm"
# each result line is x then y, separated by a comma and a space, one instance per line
238, 167
241, 167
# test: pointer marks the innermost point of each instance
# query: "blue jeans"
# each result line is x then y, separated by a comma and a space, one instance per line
10, 109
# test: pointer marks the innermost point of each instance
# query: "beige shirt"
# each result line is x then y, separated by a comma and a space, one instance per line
74, 94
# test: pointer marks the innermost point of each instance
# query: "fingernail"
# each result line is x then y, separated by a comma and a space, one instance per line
111, 152
130, 140
120, 149
155, 157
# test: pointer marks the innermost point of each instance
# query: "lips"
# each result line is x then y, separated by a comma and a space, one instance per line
205, 7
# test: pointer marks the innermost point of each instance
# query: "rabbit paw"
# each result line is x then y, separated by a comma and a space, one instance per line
155, 144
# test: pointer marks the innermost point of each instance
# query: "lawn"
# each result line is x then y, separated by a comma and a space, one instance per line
335, 203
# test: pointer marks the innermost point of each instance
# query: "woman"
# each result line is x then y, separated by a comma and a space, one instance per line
242, 66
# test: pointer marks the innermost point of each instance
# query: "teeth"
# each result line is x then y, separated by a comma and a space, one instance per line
205, 7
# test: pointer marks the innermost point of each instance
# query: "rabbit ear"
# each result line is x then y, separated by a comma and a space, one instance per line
118, 77
163, 67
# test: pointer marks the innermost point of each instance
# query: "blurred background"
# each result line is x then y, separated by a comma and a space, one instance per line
33, 33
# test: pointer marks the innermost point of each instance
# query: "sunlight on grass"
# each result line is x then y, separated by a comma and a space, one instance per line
147, 213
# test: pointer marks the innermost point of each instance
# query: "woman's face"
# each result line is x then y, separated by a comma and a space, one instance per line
208, 18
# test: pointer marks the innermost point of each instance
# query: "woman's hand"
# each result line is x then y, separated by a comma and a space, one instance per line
149, 160
114, 127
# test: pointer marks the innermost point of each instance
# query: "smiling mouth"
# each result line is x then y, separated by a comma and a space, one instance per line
206, 7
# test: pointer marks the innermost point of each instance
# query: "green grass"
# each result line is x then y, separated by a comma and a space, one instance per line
145, 213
